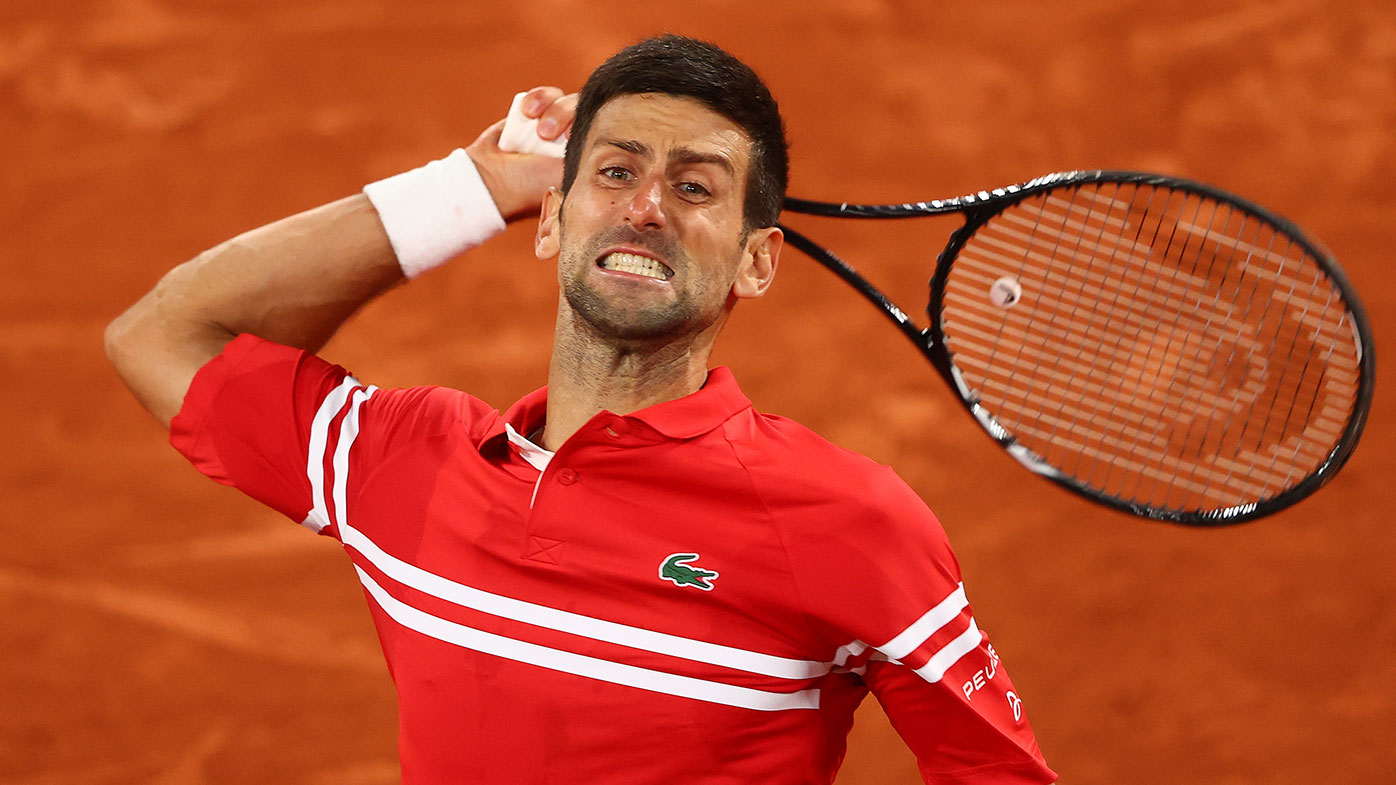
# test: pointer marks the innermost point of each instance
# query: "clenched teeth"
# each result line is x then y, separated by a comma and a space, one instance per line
636, 265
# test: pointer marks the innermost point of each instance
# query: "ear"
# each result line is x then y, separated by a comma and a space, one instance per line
547, 241
760, 258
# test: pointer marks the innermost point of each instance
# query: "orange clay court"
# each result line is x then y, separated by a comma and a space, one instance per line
157, 628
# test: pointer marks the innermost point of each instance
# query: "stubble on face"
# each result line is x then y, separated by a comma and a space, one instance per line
622, 318
670, 143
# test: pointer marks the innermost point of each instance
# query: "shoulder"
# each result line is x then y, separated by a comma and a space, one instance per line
431, 404
409, 413
866, 553
334, 394
794, 468
777, 443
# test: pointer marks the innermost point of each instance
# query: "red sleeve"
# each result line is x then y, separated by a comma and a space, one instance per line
281, 425
969, 729
247, 420
879, 578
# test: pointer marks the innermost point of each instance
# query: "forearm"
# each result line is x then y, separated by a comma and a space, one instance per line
294, 281
297, 280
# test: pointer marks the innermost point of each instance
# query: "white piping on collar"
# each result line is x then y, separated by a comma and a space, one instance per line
536, 456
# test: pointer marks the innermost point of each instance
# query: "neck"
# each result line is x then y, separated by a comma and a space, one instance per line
589, 374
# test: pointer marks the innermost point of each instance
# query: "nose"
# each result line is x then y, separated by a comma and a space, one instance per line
646, 208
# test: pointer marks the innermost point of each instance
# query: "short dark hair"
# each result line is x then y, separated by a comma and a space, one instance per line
680, 66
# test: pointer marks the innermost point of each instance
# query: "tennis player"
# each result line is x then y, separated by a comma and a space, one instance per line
630, 576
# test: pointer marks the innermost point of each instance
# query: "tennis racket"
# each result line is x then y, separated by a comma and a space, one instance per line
1152, 344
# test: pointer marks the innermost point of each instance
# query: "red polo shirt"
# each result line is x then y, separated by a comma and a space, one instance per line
692, 592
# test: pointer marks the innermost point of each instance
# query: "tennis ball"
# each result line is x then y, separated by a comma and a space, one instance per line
1005, 292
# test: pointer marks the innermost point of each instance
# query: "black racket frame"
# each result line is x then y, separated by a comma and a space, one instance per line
978, 208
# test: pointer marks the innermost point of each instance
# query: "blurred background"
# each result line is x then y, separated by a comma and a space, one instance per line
157, 628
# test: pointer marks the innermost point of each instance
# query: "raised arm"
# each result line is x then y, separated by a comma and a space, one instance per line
297, 280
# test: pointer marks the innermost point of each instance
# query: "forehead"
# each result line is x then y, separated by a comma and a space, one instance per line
665, 123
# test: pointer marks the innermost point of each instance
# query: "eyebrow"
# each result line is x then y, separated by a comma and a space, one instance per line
683, 155
628, 145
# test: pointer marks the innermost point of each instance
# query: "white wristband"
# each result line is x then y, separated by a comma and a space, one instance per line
436, 212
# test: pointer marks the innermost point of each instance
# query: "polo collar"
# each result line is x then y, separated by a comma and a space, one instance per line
684, 418
695, 414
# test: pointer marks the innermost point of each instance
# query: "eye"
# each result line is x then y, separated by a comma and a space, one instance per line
694, 190
617, 173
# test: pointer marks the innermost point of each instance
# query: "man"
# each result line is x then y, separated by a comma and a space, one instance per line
630, 576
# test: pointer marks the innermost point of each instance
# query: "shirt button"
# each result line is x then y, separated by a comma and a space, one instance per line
567, 476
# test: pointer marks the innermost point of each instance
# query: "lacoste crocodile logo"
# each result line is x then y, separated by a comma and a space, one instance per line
677, 570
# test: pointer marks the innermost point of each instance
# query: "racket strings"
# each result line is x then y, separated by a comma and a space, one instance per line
1100, 325
1168, 349
1190, 347
1114, 411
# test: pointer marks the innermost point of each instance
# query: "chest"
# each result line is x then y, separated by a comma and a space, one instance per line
667, 538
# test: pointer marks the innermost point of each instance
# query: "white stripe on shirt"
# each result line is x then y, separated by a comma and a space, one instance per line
319, 517
348, 432
949, 654
582, 665
538, 615
929, 624
575, 623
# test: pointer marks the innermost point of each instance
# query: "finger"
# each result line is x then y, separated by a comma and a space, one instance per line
558, 118
539, 99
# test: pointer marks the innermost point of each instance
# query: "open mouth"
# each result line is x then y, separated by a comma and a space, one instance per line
635, 265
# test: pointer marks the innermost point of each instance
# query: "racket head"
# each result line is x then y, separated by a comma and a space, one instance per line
1153, 344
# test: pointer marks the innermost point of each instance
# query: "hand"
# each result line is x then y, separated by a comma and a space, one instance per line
518, 181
